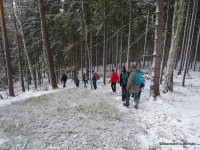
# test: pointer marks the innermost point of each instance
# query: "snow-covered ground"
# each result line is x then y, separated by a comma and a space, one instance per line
78, 118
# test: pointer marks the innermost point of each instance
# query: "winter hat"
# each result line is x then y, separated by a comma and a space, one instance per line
124, 68
133, 67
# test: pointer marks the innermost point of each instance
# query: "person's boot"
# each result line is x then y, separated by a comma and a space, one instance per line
135, 106
132, 95
125, 105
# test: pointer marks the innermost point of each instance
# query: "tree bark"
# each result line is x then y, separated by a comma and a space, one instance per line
158, 44
184, 43
19, 52
91, 53
97, 53
165, 42
81, 48
117, 52
121, 47
6, 50
190, 38
87, 40
177, 26
47, 45
27, 74
197, 46
104, 47
30, 66
145, 41
129, 34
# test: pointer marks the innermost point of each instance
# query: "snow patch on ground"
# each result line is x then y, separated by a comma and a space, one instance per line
78, 118
2, 141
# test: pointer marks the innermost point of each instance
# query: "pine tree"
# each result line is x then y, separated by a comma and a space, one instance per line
47, 44
6, 50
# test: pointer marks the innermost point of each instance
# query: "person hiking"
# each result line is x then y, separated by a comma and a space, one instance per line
64, 79
84, 80
77, 81
134, 85
123, 82
95, 77
113, 80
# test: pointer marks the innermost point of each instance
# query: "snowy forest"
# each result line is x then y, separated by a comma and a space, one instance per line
40, 40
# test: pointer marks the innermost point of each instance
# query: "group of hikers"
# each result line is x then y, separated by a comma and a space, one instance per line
131, 82
95, 77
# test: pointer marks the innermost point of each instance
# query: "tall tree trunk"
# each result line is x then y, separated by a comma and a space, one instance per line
192, 35
39, 76
104, 57
177, 26
184, 42
165, 42
47, 45
30, 66
81, 48
97, 53
27, 75
104, 47
112, 50
121, 47
197, 47
129, 34
145, 41
6, 50
86, 23
91, 53
190, 38
158, 44
19, 52
45, 57
117, 51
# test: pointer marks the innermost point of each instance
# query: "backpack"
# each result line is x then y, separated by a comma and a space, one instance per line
95, 76
124, 78
139, 79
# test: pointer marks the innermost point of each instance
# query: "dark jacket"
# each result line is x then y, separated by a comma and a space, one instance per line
64, 77
84, 78
77, 80
121, 77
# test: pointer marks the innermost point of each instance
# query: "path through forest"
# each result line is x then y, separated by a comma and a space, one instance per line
78, 118
71, 118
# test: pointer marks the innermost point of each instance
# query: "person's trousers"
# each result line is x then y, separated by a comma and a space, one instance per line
64, 82
136, 98
113, 86
124, 91
77, 84
95, 84
85, 84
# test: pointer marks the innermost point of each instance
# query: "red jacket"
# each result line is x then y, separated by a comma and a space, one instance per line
114, 78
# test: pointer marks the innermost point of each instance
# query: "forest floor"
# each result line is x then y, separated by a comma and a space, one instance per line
77, 118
